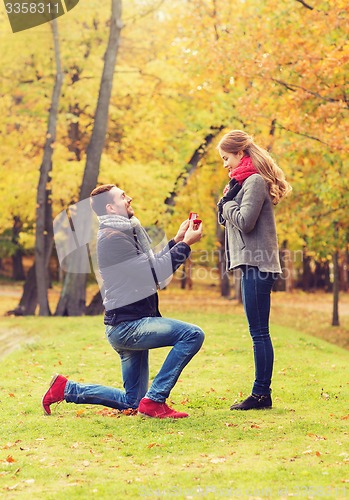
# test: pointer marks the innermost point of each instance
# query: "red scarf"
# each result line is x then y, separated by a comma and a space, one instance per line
244, 169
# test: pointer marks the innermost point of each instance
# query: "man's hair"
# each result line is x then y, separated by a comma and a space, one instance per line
100, 197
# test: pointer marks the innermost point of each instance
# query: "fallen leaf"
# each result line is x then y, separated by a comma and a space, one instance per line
10, 488
318, 454
151, 445
109, 412
255, 426
217, 460
12, 395
316, 437
10, 459
8, 445
129, 411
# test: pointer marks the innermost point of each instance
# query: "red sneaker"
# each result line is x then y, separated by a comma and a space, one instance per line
55, 393
149, 408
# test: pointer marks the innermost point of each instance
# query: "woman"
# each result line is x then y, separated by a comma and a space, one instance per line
246, 211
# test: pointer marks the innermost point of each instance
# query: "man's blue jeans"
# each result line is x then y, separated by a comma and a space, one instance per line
132, 340
256, 289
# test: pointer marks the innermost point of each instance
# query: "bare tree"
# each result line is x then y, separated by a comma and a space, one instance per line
44, 231
37, 281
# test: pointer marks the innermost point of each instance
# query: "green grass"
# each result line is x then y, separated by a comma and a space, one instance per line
299, 448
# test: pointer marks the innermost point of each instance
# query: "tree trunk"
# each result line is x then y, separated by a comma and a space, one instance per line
95, 307
74, 132
72, 301
17, 266
327, 277
286, 277
307, 274
344, 271
17, 262
223, 274
335, 313
29, 300
224, 277
44, 230
237, 284
185, 279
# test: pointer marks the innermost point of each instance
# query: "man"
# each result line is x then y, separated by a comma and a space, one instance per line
131, 274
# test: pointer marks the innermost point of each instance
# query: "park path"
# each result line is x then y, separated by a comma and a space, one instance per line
10, 339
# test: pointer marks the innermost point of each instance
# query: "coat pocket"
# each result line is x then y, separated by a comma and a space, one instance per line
239, 239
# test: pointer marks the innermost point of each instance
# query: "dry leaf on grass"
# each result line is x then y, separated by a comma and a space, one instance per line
218, 460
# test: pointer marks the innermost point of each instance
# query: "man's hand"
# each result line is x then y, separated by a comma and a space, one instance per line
192, 235
181, 231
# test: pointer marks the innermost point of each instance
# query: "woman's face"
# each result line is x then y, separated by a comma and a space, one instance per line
230, 160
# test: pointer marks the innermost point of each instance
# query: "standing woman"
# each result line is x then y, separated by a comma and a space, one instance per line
246, 211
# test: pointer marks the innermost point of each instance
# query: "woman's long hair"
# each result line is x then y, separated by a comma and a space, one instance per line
237, 140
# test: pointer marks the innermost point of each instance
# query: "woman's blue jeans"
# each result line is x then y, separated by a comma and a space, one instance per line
132, 340
256, 288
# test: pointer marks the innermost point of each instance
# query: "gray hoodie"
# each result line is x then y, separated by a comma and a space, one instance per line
250, 234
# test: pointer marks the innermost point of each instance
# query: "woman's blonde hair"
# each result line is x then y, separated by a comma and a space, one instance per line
237, 140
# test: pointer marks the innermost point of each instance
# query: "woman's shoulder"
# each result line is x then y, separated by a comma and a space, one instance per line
255, 181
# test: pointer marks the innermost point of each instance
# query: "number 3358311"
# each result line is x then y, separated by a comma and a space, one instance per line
32, 8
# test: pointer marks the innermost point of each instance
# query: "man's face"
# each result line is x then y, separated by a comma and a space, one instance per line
121, 204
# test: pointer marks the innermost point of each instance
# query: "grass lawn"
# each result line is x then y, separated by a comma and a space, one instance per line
299, 448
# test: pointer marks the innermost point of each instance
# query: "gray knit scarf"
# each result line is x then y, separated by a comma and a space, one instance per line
133, 224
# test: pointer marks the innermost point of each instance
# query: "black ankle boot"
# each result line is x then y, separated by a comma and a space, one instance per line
254, 402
